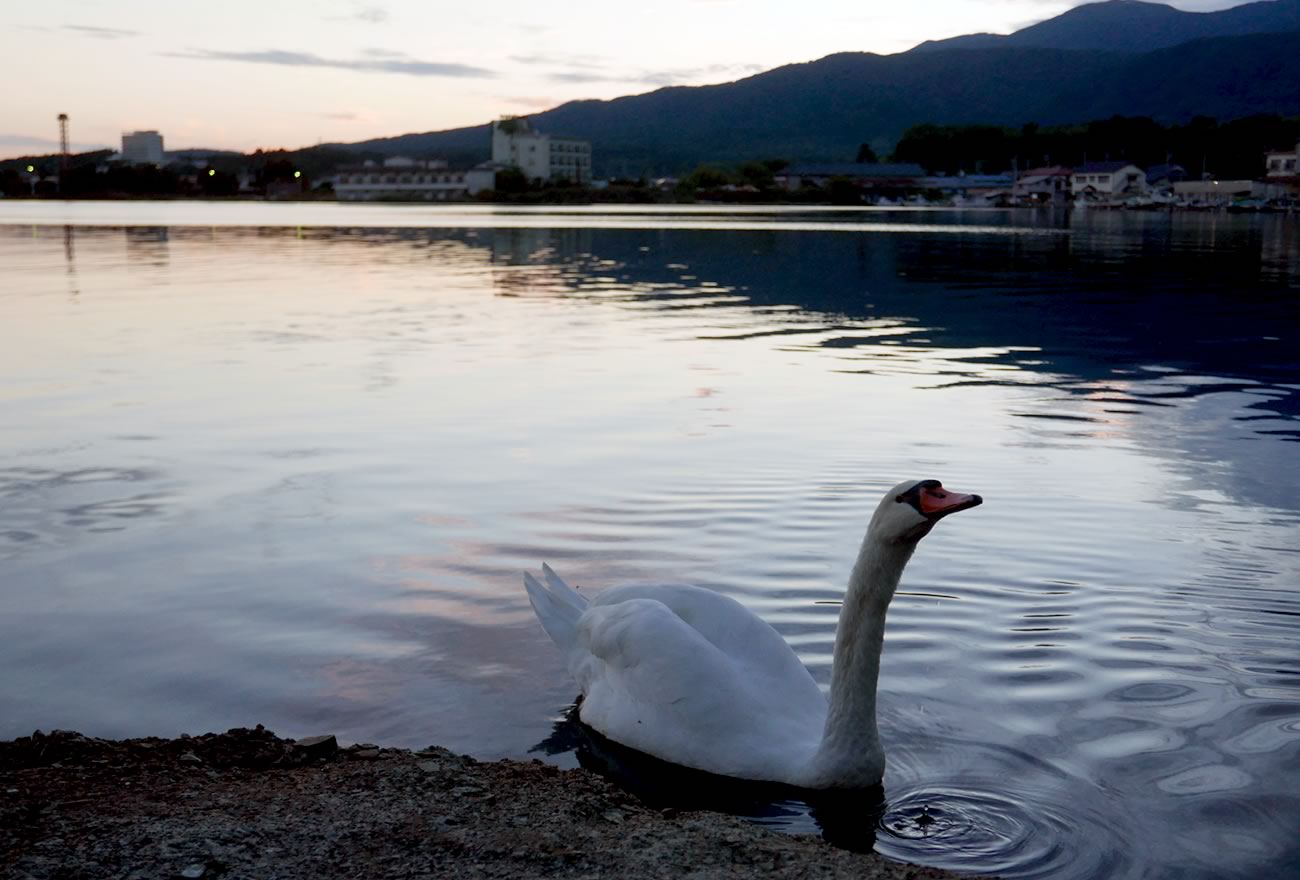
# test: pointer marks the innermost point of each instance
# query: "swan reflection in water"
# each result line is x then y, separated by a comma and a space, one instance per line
845, 818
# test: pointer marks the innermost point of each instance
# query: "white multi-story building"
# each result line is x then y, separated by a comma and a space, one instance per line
1283, 163
142, 147
400, 179
541, 157
1108, 179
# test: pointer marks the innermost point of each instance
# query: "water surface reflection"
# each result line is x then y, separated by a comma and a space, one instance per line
290, 474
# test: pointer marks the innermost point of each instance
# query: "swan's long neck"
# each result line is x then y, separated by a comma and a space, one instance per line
850, 754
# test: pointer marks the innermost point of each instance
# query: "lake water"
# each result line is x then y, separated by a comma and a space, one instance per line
285, 464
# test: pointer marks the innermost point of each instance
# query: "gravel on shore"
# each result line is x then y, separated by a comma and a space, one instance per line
248, 804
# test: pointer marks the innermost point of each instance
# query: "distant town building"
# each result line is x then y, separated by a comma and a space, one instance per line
1214, 192
1282, 163
142, 147
968, 188
882, 175
541, 157
1108, 179
1282, 174
1049, 185
402, 179
1163, 177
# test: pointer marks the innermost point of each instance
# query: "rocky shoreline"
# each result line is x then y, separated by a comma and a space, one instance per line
248, 804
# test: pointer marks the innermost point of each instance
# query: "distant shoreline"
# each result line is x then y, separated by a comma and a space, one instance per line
1250, 207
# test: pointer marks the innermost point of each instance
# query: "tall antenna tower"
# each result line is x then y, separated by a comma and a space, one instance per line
63, 148
63, 138
63, 151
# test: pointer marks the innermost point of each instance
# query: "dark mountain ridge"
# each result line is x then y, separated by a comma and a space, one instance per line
822, 110
1133, 26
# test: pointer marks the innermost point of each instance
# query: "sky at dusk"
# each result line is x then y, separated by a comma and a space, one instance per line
290, 73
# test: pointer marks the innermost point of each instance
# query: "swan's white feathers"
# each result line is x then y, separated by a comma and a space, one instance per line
738, 633
693, 676
559, 613
561, 590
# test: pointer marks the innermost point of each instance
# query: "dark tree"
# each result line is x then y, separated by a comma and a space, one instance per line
707, 177
218, 183
1233, 150
511, 180
12, 184
757, 174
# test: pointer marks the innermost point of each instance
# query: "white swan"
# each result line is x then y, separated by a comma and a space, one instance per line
693, 677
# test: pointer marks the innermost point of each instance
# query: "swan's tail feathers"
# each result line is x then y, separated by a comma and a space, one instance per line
562, 590
557, 605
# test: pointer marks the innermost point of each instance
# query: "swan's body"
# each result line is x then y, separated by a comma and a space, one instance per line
693, 677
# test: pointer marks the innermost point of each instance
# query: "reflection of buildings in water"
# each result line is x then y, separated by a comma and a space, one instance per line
519, 246
1280, 245
533, 261
1204, 295
147, 244
452, 244
1121, 292
1088, 314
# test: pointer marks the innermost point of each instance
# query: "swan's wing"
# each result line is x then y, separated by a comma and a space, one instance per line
737, 632
655, 682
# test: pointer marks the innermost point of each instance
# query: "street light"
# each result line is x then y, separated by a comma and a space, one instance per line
212, 172
297, 174
31, 169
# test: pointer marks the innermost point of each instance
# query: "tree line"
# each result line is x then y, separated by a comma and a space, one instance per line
1230, 150
92, 175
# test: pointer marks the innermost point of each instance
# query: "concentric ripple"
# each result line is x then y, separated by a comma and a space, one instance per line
972, 806
977, 829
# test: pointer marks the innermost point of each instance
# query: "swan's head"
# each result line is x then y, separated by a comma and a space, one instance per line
909, 510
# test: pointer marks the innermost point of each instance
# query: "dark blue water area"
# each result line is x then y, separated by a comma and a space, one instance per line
286, 465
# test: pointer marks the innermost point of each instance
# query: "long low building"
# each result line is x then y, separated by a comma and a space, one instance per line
882, 175
1216, 190
401, 179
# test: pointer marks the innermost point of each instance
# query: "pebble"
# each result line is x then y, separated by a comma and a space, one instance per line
193, 872
429, 766
190, 758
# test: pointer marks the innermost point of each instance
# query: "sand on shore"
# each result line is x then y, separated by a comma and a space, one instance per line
248, 804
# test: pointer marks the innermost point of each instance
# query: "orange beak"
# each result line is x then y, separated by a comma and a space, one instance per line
937, 502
